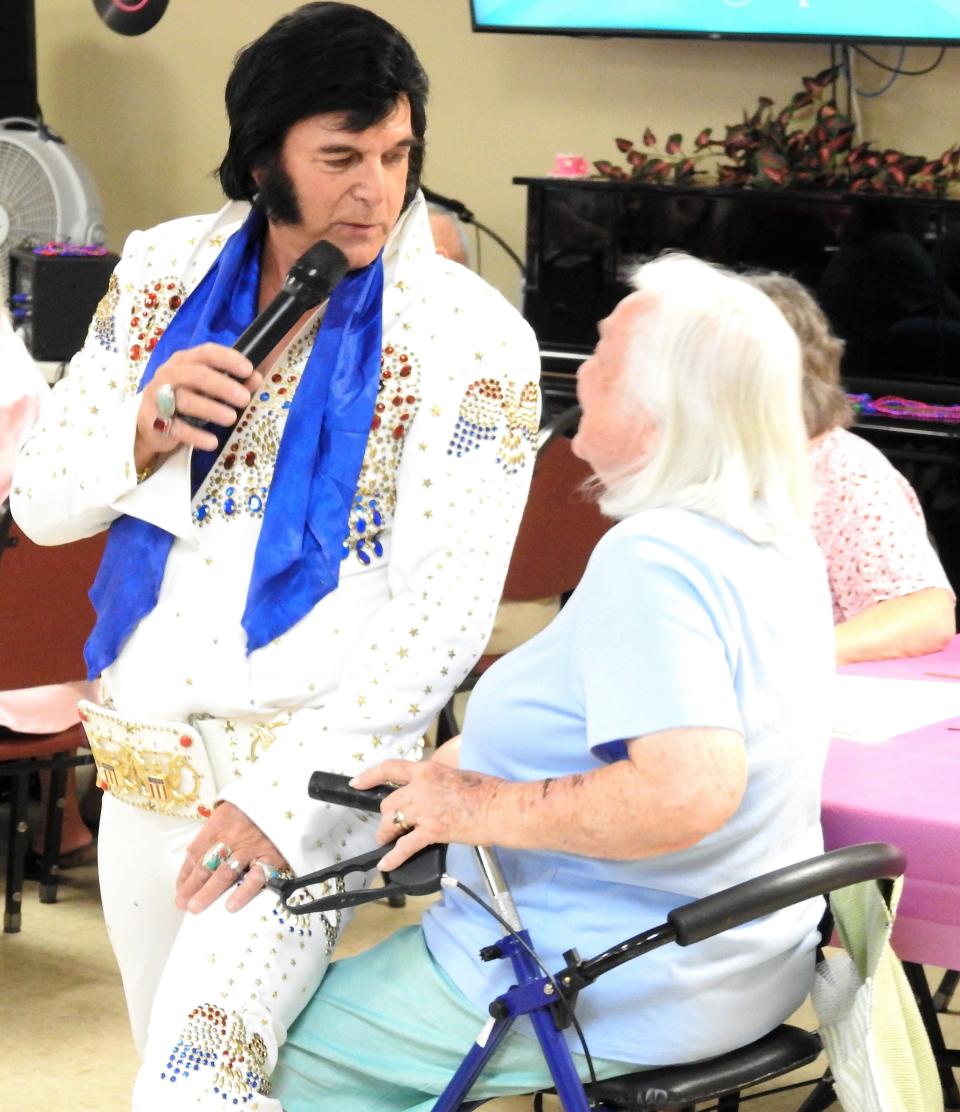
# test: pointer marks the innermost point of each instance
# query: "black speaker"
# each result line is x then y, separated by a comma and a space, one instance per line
53, 299
18, 59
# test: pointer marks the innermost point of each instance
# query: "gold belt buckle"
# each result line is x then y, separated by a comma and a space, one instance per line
161, 775
152, 765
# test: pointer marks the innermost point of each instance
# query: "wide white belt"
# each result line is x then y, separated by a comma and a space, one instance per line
168, 767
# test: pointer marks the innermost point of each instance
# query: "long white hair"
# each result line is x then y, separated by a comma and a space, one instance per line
718, 368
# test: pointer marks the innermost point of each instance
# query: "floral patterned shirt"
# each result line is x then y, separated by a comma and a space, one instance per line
869, 525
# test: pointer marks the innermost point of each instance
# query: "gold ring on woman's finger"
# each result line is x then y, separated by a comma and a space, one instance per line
399, 820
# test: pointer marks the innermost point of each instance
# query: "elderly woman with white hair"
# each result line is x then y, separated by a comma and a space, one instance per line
663, 738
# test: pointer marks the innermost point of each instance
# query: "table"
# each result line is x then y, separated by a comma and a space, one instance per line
907, 791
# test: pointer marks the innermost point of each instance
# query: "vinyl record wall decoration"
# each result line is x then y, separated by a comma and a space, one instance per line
130, 17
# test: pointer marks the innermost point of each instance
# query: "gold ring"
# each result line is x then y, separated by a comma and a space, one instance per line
399, 820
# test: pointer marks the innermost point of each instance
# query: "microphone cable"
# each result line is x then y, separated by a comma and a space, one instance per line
496, 239
458, 208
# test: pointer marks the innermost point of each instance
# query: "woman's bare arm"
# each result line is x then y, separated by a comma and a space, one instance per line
911, 625
674, 788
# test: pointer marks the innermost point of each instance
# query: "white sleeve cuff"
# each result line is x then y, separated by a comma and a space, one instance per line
164, 498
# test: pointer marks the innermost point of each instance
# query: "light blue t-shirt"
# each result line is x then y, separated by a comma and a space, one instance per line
679, 621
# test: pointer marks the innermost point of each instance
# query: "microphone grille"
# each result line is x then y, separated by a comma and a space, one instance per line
318, 269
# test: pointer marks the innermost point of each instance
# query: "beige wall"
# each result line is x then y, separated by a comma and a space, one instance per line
146, 113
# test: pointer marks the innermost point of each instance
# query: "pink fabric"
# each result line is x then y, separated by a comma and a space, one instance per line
869, 526
906, 792
15, 419
22, 388
35, 710
44, 710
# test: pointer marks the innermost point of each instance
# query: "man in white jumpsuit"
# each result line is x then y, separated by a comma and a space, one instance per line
300, 579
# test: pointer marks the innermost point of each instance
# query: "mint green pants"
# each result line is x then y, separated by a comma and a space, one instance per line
385, 1032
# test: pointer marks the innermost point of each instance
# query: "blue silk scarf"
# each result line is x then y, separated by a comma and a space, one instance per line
298, 555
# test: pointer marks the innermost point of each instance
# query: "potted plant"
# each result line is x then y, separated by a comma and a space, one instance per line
808, 144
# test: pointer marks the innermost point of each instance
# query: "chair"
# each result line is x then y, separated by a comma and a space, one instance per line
559, 529
46, 620
6, 520
944, 994
947, 1058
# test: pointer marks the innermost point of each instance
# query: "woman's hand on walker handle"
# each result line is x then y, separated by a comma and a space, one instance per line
432, 803
673, 788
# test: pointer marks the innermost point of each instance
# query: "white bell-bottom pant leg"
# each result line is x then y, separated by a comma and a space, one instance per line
220, 988
232, 986
139, 855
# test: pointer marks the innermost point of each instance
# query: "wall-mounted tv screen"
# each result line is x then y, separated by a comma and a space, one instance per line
905, 21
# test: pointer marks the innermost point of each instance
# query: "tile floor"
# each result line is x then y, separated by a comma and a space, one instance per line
64, 1043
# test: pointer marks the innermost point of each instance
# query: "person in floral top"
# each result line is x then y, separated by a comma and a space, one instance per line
891, 596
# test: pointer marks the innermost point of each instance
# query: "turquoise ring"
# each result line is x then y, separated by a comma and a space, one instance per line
215, 857
166, 401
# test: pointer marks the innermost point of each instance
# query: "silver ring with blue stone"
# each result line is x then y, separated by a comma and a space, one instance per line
270, 872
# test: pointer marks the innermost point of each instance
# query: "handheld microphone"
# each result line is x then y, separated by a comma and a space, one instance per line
310, 280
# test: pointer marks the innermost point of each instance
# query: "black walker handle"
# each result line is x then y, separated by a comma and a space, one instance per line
417, 876
792, 884
333, 788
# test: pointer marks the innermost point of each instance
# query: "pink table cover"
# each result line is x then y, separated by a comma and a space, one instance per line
907, 791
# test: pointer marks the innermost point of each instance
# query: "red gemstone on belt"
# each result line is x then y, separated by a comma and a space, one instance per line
204, 811
186, 741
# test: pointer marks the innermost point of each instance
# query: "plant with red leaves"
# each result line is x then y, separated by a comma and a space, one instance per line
808, 144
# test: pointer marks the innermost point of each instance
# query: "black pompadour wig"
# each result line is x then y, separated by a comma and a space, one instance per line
323, 57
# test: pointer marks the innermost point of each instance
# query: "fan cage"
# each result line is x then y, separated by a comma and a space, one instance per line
45, 191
